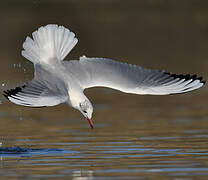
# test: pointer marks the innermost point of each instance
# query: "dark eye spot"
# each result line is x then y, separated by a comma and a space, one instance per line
85, 111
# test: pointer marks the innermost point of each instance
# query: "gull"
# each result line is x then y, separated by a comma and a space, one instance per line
57, 81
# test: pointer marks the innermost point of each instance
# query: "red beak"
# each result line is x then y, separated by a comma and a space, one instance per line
90, 122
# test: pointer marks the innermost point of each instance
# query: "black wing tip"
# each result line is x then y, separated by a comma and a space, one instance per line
13, 92
187, 77
10, 92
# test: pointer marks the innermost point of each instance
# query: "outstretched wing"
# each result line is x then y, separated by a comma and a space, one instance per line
43, 90
94, 72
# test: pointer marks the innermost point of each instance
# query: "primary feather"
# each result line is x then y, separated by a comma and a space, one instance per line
44, 90
103, 72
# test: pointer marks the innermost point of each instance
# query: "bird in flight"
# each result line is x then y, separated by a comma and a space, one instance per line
57, 81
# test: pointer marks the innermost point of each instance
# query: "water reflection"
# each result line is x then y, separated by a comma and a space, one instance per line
82, 175
126, 156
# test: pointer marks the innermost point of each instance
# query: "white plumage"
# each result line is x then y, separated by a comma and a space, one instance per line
58, 81
49, 43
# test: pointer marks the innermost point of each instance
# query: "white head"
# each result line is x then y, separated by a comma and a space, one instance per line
82, 103
85, 107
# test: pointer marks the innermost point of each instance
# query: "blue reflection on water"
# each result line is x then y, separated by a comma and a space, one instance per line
16, 151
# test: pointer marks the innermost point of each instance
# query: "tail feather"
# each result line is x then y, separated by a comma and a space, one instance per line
49, 43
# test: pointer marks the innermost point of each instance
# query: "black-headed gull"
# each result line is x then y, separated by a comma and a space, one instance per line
57, 81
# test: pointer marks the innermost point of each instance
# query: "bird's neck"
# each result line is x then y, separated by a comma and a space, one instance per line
75, 97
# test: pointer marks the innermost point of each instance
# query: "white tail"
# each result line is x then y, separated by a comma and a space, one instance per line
49, 43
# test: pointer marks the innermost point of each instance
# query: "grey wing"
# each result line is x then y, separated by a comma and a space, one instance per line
43, 90
101, 72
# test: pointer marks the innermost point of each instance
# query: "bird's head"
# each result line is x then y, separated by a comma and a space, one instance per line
85, 107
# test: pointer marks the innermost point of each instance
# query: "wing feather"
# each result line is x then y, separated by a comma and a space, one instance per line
43, 90
102, 72
29, 95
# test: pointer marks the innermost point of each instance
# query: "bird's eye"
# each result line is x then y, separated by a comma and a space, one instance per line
85, 111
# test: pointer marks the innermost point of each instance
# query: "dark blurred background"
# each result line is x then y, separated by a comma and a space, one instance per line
162, 34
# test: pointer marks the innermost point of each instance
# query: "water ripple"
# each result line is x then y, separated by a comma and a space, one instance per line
21, 151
